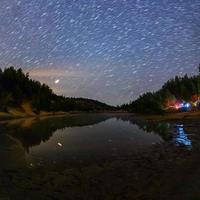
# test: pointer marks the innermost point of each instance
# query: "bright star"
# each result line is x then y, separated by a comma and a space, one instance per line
56, 81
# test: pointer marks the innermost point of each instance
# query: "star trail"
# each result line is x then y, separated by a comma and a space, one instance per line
109, 50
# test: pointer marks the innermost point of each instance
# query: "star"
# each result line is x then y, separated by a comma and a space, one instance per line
56, 81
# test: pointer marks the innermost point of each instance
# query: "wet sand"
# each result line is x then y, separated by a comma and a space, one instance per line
165, 173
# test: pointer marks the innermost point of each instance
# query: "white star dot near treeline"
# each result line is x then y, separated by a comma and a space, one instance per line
56, 81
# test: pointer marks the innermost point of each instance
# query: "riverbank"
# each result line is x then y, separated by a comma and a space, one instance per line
19, 115
26, 111
172, 116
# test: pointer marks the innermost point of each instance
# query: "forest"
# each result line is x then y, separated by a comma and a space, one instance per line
178, 89
16, 88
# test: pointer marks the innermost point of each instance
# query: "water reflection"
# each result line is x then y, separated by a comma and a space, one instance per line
161, 128
181, 138
85, 134
18, 136
164, 129
35, 131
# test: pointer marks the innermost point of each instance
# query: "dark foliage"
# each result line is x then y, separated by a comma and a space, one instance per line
16, 88
179, 88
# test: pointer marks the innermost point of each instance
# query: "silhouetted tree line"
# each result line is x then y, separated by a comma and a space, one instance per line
179, 88
16, 87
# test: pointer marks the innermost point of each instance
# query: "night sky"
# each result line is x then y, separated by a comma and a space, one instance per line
109, 50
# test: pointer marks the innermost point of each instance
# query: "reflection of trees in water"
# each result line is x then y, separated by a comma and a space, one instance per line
161, 128
12, 152
41, 130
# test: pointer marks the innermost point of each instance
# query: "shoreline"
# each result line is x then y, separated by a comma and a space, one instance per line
8, 116
172, 116
4, 116
14, 114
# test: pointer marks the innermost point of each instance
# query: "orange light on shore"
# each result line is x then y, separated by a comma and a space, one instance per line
177, 106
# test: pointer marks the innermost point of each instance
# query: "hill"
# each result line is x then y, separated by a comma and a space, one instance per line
19, 93
174, 93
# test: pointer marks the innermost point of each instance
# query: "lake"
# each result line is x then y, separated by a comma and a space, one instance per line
122, 143
76, 137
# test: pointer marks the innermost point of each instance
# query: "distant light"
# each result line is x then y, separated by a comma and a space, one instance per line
177, 106
187, 105
182, 105
56, 81
59, 144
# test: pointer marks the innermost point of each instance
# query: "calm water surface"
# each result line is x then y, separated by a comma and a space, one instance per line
78, 137
108, 138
